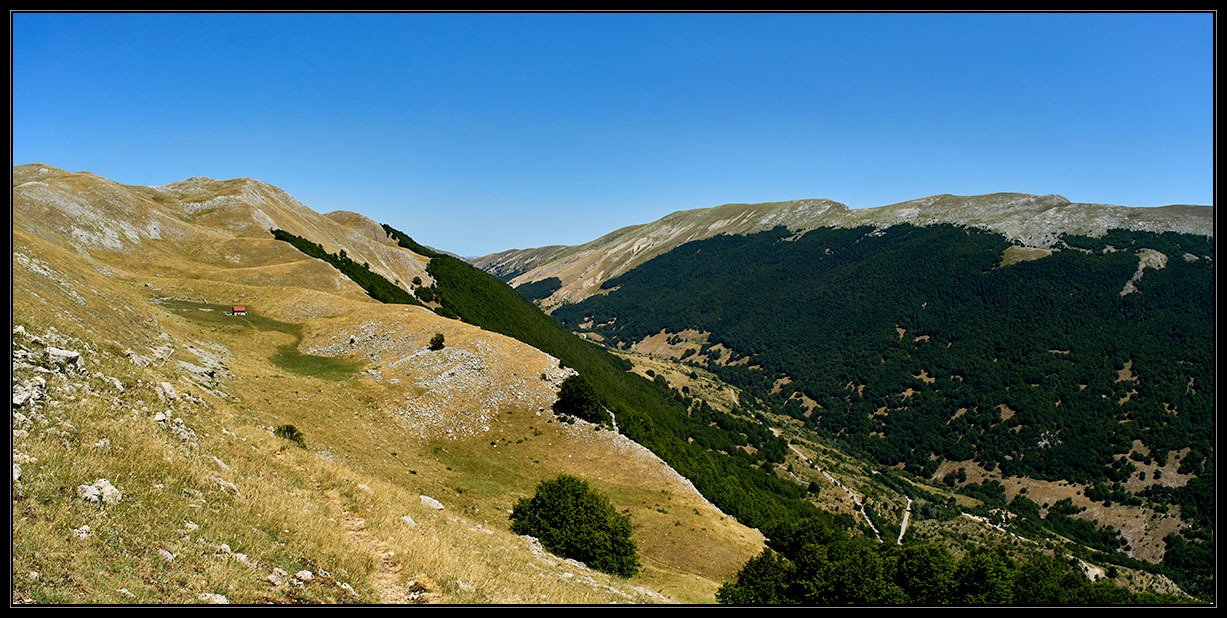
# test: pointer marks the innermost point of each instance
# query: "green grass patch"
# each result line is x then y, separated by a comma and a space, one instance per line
287, 357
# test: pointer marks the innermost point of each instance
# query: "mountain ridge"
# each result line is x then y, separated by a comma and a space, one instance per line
1029, 220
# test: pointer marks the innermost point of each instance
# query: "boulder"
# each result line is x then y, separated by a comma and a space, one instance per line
99, 492
431, 503
213, 598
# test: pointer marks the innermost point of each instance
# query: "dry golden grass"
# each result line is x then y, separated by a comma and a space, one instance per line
335, 507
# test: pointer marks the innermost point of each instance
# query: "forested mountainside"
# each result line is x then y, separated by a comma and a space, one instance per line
1033, 221
941, 349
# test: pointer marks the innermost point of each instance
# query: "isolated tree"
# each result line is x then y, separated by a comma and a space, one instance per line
577, 398
573, 520
436, 342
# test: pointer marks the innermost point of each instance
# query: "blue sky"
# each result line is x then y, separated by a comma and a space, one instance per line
481, 132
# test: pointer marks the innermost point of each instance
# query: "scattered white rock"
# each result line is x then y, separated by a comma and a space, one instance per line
190, 526
221, 464
224, 484
64, 360
431, 503
465, 586
23, 393
304, 576
409, 521
126, 592
16, 472
223, 549
166, 391
103, 444
348, 588
83, 532
100, 492
244, 559
167, 555
213, 598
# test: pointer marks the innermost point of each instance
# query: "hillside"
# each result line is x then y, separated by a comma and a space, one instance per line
148, 465
1034, 221
1071, 387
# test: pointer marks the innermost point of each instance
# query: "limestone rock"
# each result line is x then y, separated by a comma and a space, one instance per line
213, 598
99, 492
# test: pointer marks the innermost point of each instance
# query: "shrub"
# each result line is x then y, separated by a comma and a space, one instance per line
291, 433
575, 521
577, 398
436, 342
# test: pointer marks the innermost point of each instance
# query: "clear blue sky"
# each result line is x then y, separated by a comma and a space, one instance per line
481, 132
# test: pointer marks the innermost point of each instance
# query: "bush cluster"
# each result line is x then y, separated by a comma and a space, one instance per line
573, 520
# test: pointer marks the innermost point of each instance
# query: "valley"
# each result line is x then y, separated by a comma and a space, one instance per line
957, 357
361, 431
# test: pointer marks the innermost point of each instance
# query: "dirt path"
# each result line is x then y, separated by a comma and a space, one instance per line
386, 578
387, 575
907, 515
860, 508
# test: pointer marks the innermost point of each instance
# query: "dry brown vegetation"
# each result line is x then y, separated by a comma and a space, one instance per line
385, 421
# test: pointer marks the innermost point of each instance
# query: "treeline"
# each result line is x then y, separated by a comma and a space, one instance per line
645, 411
376, 285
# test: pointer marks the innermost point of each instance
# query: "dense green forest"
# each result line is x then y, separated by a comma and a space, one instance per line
537, 290
811, 564
918, 347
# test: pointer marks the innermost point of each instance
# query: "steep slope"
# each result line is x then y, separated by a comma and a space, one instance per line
1029, 220
129, 369
582, 269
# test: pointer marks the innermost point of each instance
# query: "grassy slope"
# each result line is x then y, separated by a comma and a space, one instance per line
334, 507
